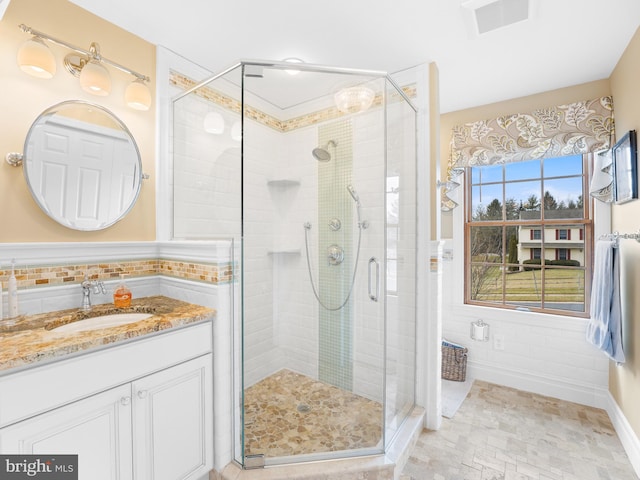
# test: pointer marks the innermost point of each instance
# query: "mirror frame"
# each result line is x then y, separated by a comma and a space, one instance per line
125, 130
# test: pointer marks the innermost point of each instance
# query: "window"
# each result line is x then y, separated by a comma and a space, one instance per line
520, 251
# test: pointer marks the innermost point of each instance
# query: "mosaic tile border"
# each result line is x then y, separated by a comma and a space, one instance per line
31, 276
185, 83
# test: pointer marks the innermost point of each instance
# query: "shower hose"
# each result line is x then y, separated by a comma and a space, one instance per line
307, 227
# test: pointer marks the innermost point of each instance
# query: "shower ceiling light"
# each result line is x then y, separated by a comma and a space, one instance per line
35, 58
354, 99
292, 71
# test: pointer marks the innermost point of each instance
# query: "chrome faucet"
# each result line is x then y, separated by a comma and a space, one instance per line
87, 286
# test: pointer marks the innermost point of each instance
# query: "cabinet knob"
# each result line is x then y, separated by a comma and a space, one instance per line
125, 401
142, 394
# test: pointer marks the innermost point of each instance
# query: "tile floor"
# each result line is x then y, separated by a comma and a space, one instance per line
290, 414
504, 434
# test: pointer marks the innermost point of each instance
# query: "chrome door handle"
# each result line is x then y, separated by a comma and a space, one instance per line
373, 261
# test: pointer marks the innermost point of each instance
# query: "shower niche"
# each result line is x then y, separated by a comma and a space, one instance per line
312, 179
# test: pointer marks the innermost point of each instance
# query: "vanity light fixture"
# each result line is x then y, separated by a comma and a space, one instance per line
137, 95
36, 59
357, 98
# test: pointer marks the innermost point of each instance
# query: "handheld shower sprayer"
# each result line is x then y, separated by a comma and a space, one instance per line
354, 194
356, 198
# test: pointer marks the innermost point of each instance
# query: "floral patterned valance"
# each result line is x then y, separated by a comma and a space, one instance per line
576, 128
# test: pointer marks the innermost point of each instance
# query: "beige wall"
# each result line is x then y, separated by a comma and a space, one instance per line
624, 381
24, 98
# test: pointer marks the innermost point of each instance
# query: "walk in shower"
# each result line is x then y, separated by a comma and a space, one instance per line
310, 173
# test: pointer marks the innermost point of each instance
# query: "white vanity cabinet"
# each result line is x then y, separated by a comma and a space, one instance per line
172, 420
154, 424
97, 429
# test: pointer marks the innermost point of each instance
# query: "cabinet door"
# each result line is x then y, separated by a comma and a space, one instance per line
173, 426
97, 429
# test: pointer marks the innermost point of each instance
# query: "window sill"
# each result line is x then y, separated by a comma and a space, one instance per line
534, 319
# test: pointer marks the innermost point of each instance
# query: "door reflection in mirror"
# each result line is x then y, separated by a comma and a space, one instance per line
82, 165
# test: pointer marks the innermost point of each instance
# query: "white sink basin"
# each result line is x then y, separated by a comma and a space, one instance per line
104, 321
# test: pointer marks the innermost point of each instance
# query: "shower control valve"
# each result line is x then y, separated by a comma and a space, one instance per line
335, 254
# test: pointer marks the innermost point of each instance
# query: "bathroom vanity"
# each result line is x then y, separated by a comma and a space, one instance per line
133, 401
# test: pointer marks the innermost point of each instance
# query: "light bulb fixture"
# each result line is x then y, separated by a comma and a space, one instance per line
214, 123
354, 99
137, 95
36, 59
293, 71
88, 65
94, 78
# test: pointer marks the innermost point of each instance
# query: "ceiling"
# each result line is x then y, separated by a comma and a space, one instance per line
564, 43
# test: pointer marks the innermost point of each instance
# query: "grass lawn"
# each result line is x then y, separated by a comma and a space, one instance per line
560, 285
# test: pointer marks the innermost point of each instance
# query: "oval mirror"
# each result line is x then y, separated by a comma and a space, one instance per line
82, 165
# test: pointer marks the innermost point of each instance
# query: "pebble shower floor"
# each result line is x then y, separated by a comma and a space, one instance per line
291, 414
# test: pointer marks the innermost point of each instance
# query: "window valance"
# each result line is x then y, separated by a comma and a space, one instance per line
575, 128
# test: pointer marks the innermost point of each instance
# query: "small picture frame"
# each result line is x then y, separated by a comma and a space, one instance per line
625, 170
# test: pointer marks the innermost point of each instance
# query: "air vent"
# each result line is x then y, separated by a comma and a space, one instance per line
489, 15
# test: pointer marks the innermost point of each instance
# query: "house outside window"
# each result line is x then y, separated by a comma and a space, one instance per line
529, 235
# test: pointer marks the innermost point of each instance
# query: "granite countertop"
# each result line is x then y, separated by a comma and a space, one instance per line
29, 340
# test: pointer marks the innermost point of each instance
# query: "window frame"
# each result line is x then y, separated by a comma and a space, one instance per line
584, 224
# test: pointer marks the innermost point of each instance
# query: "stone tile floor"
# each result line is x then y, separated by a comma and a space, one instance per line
501, 433
290, 414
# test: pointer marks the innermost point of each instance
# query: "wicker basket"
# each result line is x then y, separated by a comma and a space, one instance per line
454, 362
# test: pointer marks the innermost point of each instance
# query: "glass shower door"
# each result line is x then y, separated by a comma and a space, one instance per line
313, 269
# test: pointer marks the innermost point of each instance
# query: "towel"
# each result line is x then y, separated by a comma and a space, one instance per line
604, 329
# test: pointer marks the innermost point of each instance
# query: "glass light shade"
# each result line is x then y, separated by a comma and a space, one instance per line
95, 79
354, 99
137, 95
214, 123
292, 71
236, 131
36, 59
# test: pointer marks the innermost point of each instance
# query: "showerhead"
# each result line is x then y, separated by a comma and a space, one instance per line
353, 193
321, 152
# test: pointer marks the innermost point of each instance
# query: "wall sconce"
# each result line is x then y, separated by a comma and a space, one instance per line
36, 59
